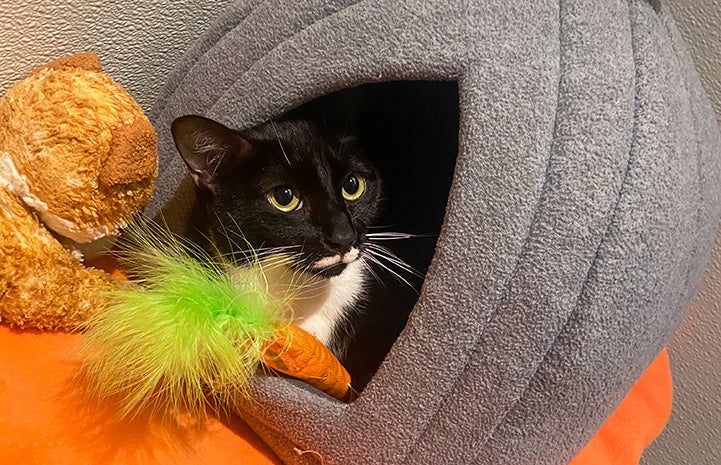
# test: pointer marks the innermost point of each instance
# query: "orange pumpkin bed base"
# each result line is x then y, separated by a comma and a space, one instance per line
43, 422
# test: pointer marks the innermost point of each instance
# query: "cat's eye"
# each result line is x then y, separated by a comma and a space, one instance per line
353, 186
284, 199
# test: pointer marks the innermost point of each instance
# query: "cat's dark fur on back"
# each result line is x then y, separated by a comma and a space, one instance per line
294, 187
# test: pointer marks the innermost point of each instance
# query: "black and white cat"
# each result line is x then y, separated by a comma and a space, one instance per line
301, 195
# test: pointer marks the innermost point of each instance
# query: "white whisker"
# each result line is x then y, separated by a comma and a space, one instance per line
374, 257
367, 266
393, 236
387, 254
282, 149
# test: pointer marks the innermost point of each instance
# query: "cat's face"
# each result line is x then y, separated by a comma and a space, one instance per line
288, 187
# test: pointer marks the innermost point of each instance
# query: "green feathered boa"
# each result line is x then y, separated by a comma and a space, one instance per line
184, 332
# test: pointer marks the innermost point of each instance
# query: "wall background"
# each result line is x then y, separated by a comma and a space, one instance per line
693, 435
139, 41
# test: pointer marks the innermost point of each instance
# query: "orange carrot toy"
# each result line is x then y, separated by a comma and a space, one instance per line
301, 355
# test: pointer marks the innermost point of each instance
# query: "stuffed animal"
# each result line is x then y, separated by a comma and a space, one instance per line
78, 158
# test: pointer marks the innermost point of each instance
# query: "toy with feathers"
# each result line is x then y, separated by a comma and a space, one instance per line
184, 332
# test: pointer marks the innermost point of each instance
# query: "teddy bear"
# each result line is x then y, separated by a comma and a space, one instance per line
78, 159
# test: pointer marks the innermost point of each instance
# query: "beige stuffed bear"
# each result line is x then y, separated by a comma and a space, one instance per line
78, 158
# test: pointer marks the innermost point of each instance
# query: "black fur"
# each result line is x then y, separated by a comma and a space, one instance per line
236, 171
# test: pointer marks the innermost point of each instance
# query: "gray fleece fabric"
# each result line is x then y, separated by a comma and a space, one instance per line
582, 211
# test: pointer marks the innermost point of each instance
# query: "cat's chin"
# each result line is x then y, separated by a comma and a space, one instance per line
332, 271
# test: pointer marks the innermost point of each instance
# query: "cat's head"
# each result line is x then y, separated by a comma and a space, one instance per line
290, 186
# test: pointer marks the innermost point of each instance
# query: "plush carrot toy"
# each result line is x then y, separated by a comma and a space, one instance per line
297, 353
183, 331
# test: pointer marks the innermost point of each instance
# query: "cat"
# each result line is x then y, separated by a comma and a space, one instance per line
302, 196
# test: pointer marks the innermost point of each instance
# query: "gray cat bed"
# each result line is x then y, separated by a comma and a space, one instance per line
582, 209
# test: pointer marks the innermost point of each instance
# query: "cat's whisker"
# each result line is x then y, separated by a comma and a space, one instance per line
367, 266
302, 287
277, 254
236, 249
250, 252
373, 257
301, 283
271, 265
387, 254
306, 296
402, 265
391, 271
393, 236
277, 137
261, 253
279, 248
300, 280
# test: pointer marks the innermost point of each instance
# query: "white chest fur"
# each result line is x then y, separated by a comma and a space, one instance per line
326, 302
317, 304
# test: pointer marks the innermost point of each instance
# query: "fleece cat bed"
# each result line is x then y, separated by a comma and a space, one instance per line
582, 210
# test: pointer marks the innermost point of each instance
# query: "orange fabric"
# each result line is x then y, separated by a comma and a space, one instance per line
44, 422
301, 355
637, 421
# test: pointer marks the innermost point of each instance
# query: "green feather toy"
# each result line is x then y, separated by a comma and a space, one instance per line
181, 332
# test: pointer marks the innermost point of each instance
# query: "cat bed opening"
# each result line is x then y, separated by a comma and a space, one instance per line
409, 130
583, 205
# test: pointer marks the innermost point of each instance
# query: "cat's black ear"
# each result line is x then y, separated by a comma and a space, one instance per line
207, 147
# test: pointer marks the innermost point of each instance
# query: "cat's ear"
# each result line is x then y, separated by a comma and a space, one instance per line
207, 147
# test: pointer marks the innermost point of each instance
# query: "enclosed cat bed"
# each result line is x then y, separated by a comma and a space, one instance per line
582, 210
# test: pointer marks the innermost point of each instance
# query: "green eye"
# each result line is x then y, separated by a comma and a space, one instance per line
284, 199
353, 186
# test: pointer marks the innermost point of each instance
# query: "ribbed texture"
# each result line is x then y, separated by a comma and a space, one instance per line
583, 208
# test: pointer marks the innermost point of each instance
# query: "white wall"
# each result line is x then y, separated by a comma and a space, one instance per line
138, 40
693, 435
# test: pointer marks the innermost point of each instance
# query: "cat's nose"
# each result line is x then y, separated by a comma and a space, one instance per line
341, 239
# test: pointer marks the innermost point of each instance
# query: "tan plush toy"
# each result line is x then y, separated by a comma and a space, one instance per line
78, 158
